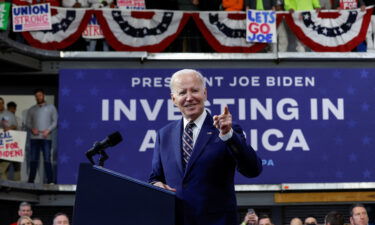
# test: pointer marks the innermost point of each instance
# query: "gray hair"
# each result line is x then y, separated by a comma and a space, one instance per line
186, 71
22, 204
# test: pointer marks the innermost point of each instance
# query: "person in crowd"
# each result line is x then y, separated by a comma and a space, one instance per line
41, 120
12, 107
326, 4
61, 219
24, 210
233, 5
251, 218
339, 5
310, 220
334, 218
37, 221
261, 4
292, 5
25, 220
7, 122
28, 2
264, 220
358, 215
282, 34
370, 36
92, 42
296, 221
203, 153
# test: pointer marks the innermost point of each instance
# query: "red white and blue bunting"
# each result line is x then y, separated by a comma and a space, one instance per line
150, 31
153, 31
67, 27
226, 32
334, 31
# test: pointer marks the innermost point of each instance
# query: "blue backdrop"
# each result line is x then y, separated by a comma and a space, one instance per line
308, 125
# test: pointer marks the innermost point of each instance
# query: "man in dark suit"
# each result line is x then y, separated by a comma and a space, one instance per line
197, 156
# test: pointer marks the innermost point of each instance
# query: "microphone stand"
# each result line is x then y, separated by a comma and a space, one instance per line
97, 150
103, 157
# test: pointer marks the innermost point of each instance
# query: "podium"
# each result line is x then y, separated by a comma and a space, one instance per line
104, 197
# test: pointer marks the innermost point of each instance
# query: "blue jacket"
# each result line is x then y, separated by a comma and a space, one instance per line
206, 187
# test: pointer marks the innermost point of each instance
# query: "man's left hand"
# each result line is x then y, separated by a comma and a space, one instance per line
223, 122
45, 133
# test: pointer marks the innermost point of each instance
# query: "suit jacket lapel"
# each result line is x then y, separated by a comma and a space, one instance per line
206, 133
176, 139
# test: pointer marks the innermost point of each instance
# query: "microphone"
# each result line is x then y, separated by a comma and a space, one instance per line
99, 147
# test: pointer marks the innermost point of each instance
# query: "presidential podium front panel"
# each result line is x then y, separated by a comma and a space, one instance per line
104, 197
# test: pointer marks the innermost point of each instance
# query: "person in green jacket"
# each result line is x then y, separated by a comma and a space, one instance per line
301, 5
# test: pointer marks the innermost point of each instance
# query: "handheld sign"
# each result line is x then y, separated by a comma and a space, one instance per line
93, 30
12, 145
4, 15
131, 4
261, 26
348, 4
32, 17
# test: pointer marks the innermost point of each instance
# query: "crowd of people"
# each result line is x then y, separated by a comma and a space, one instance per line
191, 40
26, 217
40, 121
357, 216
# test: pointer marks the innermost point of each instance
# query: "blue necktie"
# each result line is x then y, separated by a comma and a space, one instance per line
187, 143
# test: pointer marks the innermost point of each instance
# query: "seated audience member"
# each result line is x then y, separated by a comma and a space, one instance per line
334, 218
296, 221
264, 220
25, 220
60, 219
358, 215
24, 210
310, 220
37, 221
251, 218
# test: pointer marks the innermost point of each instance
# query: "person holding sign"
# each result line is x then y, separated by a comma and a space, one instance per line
348, 4
197, 156
7, 122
